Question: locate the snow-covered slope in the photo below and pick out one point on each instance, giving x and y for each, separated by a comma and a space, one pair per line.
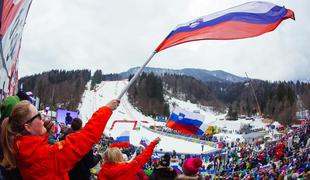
108, 90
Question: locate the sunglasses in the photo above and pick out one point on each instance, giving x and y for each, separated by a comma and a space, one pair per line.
33, 118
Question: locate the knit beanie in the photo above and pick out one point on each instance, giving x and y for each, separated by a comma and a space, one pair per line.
165, 160
7, 106
191, 166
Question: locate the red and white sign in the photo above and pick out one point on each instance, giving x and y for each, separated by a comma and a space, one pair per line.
13, 20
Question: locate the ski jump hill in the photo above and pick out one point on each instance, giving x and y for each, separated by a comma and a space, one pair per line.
127, 117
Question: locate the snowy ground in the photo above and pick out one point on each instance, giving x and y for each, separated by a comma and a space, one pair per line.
108, 90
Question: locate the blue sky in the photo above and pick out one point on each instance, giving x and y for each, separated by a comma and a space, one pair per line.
116, 35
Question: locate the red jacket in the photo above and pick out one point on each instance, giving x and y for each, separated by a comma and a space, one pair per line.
36, 159
128, 171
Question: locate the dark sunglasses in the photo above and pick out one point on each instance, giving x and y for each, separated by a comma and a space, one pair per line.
33, 118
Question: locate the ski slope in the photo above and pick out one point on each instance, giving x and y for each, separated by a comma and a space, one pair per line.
108, 90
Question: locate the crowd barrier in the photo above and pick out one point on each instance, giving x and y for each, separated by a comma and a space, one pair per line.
190, 139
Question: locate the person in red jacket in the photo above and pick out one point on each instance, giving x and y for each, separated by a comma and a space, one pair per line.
25, 142
114, 167
279, 151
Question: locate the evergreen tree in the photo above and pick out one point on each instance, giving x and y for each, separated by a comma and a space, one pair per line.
96, 79
57, 88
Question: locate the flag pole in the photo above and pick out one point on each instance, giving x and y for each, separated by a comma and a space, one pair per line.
135, 76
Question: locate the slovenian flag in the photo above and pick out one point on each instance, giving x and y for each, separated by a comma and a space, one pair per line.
264, 168
144, 142
121, 141
177, 168
155, 158
247, 20
186, 122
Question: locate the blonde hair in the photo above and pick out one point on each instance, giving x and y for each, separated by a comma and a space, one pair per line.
113, 155
11, 127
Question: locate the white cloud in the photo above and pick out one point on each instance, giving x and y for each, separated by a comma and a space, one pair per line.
117, 35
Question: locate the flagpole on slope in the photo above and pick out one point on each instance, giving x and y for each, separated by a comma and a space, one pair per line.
135, 76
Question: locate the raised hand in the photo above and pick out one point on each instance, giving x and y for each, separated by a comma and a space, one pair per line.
113, 104
157, 140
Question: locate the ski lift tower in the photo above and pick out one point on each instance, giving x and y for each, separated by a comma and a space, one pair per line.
253, 91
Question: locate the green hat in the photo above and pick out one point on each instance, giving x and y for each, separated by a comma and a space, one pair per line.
7, 106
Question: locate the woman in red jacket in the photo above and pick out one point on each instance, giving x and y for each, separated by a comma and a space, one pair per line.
25, 142
114, 167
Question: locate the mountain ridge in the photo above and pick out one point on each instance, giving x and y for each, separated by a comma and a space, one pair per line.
200, 74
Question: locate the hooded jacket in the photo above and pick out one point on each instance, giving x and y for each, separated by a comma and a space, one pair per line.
81, 170
6, 109
36, 159
124, 170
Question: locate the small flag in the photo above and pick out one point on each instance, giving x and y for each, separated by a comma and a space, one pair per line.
144, 142
264, 168
186, 122
177, 167
155, 159
121, 141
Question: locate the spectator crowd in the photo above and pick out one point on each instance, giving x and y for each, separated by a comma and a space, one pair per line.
73, 151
